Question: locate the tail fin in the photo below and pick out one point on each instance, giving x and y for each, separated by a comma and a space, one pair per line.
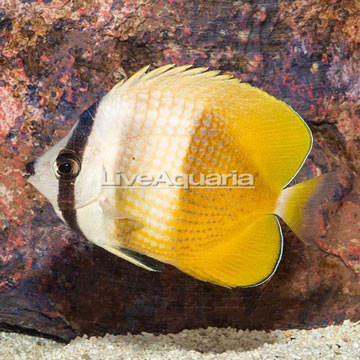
298, 205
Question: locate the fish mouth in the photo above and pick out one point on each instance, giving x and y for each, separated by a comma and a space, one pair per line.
29, 170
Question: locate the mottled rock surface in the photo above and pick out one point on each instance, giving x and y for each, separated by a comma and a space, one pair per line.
58, 56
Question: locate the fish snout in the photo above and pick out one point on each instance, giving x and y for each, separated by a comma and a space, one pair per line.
29, 169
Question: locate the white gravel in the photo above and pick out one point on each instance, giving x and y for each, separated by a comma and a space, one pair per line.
333, 342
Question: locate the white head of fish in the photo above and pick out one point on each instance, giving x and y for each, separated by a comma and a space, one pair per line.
70, 174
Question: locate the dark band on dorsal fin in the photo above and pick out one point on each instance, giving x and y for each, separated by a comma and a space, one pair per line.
76, 144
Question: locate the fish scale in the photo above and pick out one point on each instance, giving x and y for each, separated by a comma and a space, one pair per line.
201, 123
183, 120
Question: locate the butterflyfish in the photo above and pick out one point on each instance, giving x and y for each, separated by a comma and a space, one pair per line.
188, 167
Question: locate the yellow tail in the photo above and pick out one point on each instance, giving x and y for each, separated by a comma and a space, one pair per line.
298, 205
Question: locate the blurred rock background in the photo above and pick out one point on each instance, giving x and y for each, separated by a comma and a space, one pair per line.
57, 57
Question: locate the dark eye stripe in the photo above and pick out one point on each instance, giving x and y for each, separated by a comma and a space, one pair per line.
76, 144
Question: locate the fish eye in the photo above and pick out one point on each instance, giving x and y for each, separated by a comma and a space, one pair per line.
67, 165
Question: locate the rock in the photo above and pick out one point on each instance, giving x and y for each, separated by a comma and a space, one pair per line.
58, 57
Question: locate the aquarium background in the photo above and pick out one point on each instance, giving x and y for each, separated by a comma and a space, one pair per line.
57, 57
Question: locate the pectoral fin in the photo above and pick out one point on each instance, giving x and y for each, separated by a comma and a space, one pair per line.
111, 212
125, 225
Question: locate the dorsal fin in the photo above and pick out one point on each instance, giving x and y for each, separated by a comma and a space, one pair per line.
178, 76
277, 138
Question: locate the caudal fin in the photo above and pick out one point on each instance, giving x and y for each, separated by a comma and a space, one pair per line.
298, 205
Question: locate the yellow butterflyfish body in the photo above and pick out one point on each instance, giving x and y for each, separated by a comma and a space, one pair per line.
187, 167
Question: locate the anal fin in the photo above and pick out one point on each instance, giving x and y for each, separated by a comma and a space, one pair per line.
247, 258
